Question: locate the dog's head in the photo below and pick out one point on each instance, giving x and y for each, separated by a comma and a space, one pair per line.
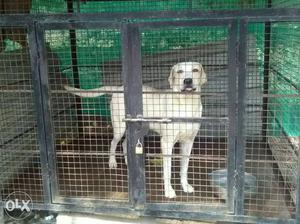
187, 77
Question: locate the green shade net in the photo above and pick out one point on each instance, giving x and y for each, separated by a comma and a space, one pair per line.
53, 6
285, 79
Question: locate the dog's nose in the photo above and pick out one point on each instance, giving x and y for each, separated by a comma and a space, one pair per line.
188, 81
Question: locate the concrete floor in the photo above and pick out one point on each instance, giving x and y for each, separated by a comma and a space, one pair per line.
74, 218
79, 219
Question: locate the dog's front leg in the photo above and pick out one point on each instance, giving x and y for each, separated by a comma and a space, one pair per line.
124, 145
186, 148
167, 147
112, 155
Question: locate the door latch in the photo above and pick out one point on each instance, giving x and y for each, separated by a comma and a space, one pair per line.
140, 118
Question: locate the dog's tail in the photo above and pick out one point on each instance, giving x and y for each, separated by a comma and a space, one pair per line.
94, 92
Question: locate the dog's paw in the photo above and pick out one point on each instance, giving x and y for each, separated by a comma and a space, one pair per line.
170, 193
112, 162
187, 188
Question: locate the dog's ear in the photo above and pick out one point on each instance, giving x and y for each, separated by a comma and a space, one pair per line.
203, 78
171, 76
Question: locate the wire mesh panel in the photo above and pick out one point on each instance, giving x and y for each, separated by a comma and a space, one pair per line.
12, 38
19, 154
85, 166
272, 121
185, 75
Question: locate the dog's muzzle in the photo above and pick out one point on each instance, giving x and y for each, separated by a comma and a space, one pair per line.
188, 85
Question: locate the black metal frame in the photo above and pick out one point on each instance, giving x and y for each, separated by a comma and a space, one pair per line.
267, 45
35, 65
75, 69
131, 63
240, 140
132, 70
262, 15
232, 97
47, 120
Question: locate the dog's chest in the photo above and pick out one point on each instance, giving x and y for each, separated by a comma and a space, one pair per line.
184, 107
186, 130
172, 107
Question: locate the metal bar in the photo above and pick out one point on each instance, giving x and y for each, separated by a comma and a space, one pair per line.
215, 217
49, 135
240, 141
75, 69
153, 155
216, 208
154, 120
117, 90
298, 179
13, 91
93, 209
262, 15
33, 36
132, 70
184, 23
298, 192
156, 211
82, 25
267, 46
82, 153
232, 77
88, 202
176, 119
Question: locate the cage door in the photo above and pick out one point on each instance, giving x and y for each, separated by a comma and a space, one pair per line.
189, 82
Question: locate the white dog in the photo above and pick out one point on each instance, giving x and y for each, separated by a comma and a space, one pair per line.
185, 78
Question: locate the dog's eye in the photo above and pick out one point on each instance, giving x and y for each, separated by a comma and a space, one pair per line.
180, 71
195, 70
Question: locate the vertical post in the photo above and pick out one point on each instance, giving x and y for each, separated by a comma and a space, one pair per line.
132, 79
232, 77
298, 176
298, 192
42, 67
33, 36
75, 69
267, 45
240, 142
2, 46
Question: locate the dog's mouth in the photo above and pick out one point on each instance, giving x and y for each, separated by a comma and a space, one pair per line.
188, 89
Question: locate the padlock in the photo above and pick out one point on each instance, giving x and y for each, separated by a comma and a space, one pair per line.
139, 148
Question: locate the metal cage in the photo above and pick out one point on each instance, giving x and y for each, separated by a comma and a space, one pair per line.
59, 148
